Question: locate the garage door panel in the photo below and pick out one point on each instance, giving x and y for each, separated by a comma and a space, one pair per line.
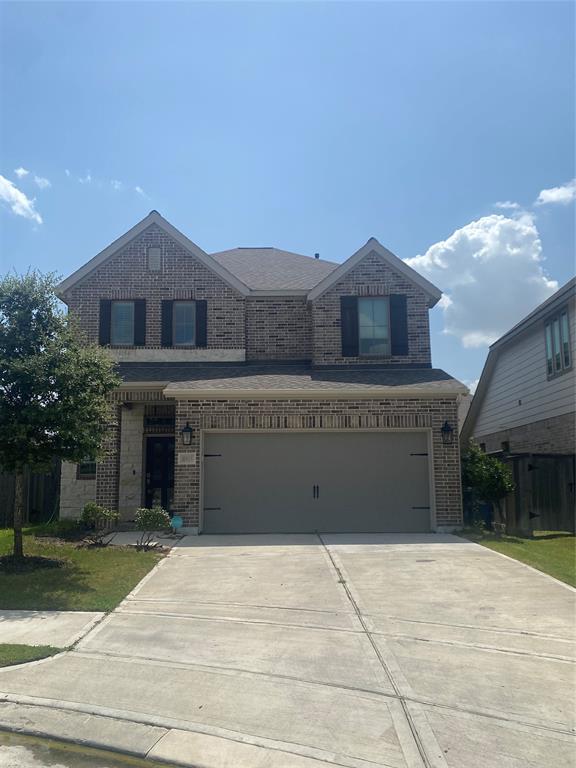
303, 482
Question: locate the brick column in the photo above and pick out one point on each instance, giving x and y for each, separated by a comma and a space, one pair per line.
447, 467
108, 468
187, 465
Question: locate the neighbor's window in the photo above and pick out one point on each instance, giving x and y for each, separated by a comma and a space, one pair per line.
557, 334
184, 323
86, 470
122, 322
374, 326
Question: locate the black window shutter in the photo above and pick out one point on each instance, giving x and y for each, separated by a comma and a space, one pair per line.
349, 325
167, 310
105, 321
139, 322
398, 325
201, 323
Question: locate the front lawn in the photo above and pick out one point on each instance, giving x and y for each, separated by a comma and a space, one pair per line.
550, 551
19, 654
91, 579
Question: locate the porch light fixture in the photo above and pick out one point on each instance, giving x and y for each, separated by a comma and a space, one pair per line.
447, 432
186, 433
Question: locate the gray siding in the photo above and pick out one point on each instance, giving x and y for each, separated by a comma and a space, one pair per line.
520, 375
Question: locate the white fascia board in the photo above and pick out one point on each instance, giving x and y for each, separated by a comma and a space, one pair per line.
153, 218
391, 259
312, 394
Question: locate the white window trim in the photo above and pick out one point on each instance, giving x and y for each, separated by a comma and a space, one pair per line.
112, 340
549, 328
389, 339
176, 344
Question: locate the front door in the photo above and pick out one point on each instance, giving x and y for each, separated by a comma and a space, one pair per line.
159, 472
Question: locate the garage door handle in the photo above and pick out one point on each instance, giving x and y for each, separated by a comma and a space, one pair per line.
315, 491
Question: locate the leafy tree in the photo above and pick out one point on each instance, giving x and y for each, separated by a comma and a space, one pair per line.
53, 385
489, 479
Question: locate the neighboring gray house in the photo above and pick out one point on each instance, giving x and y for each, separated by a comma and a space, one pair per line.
524, 412
267, 391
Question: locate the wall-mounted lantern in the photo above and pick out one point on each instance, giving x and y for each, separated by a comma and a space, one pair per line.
447, 432
187, 433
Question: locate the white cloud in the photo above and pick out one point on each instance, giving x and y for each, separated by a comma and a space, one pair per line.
21, 172
115, 184
507, 205
17, 201
41, 182
491, 270
140, 191
85, 179
472, 384
66, 171
563, 195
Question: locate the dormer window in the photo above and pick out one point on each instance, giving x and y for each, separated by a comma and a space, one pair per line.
154, 259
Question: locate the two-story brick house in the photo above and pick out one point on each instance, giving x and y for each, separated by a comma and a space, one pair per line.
267, 391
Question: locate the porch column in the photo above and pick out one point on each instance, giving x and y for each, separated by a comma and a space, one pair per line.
108, 468
131, 446
187, 465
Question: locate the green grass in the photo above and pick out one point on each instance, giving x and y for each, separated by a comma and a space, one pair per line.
553, 552
91, 579
19, 654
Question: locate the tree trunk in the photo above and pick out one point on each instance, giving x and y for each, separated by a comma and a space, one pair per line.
18, 507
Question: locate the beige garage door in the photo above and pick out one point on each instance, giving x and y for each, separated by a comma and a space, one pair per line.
304, 482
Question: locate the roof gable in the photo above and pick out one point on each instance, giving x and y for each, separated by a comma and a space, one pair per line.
153, 218
373, 246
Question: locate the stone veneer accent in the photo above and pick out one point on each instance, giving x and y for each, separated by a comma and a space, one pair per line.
278, 328
321, 414
553, 435
74, 493
131, 461
371, 277
126, 276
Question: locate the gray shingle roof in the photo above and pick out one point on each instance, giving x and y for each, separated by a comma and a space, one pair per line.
265, 269
285, 377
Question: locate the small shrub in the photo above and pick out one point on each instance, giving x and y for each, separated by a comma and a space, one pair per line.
148, 521
97, 520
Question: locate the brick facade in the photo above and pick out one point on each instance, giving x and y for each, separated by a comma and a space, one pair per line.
556, 435
278, 328
126, 276
266, 328
372, 277
108, 468
316, 415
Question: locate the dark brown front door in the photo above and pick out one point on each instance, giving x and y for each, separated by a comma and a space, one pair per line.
159, 471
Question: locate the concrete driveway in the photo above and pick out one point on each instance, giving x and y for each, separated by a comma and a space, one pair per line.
296, 651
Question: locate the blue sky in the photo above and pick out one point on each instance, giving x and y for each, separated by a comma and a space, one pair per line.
309, 126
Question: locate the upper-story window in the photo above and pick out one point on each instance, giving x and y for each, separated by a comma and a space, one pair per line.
184, 323
374, 326
558, 358
122, 323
